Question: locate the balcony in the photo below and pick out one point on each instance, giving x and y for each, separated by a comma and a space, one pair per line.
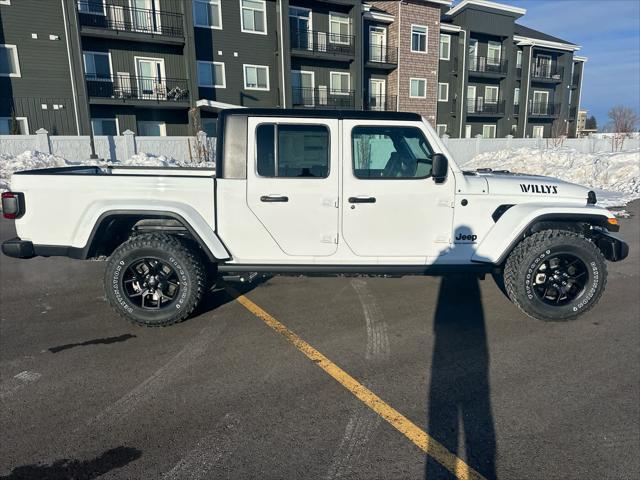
133, 90
547, 72
544, 110
323, 98
380, 103
105, 20
313, 43
382, 56
482, 108
573, 113
487, 67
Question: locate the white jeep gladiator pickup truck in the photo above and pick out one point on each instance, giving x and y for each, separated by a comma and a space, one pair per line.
316, 192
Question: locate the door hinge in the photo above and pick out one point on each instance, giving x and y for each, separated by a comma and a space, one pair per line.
330, 202
446, 202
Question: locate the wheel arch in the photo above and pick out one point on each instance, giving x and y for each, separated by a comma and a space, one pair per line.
515, 225
114, 227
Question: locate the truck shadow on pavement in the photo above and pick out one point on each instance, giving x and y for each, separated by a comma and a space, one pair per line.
77, 469
459, 395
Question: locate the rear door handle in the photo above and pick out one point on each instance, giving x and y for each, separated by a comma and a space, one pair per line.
274, 198
362, 199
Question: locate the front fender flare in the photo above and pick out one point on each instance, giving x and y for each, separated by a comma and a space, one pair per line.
514, 223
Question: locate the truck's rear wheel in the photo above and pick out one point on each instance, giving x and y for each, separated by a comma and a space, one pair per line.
555, 275
154, 280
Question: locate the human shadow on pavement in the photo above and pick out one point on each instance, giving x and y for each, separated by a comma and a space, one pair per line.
459, 396
77, 469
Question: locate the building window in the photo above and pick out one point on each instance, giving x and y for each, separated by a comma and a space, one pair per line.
467, 131
256, 77
152, 129
207, 13
418, 87
105, 126
445, 46
538, 131
390, 152
340, 83
488, 131
516, 96
5, 2
253, 17
339, 28
491, 94
494, 50
441, 128
443, 92
419, 38
292, 151
209, 126
97, 66
14, 126
94, 7
9, 64
519, 59
211, 74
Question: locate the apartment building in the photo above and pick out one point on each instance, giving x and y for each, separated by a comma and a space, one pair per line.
165, 67
498, 77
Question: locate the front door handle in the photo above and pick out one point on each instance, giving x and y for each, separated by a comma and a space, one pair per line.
362, 199
274, 198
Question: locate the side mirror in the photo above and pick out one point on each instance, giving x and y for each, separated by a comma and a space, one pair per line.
439, 167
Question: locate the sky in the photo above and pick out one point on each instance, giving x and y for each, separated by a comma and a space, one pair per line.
609, 33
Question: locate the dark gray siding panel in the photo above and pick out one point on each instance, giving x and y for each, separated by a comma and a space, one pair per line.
44, 66
236, 48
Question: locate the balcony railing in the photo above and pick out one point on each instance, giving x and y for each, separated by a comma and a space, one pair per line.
128, 19
575, 80
313, 41
481, 106
380, 103
547, 71
487, 65
323, 98
130, 87
386, 54
543, 109
573, 113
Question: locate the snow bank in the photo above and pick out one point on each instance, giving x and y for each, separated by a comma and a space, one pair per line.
614, 176
29, 160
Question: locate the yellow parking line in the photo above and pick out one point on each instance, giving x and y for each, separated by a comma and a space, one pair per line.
426, 443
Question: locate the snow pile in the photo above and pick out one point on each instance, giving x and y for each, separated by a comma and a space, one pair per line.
614, 176
29, 160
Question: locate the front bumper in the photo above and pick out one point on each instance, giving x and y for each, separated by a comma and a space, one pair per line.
18, 248
612, 247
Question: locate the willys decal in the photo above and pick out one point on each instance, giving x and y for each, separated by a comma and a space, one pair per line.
533, 188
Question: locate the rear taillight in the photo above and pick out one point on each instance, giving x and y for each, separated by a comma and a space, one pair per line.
12, 205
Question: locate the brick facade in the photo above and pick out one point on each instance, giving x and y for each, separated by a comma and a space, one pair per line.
411, 64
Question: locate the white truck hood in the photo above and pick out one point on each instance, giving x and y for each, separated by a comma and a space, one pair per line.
532, 186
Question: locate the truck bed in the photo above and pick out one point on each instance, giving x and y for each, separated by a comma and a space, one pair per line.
62, 205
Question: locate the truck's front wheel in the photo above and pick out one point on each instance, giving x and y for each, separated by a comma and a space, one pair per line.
555, 275
154, 280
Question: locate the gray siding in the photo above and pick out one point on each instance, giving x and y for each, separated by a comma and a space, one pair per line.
44, 66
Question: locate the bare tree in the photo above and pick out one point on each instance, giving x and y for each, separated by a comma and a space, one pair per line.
202, 150
558, 134
624, 121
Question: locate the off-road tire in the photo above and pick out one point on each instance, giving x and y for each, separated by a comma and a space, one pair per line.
522, 263
188, 266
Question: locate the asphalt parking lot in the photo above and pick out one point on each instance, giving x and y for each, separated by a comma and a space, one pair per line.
223, 395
